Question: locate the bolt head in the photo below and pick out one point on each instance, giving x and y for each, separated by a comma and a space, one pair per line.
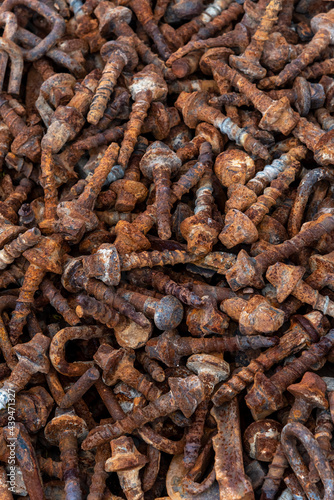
149, 79
238, 229
34, 353
168, 313
244, 273
46, 254
187, 392
157, 154
161, 348
259, 316
252, 69
324, 21
206, 320
28, 143
8, 231
303, 101
324, 149
240, 197
34, 407
125, 456
311, 389
234, 167
279, 117
109, 17
200, 232
285, 278
68, 276
131, 335
325, 263
261, 439
129, 239
104, 265
264, 398
125, 45
276, 52
75, 220
67, 422
129, 192
160, 120
189, 104
210, 366
272, 231
112, 362
211, 135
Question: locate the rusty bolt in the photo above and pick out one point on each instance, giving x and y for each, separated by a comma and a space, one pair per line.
304, 95
13, 250
236, 276
170, 347
118, 55
166, 312
266, 396
195, 109
322, 27
249, 62
277, 116
159, 164
43, 257
288, 279
185, 394
65, 430
146, 87
301, 334
127, 462
27, 139
32, 359
261, 439
117, 364
254, 316
234, 167
201, 230
309, 394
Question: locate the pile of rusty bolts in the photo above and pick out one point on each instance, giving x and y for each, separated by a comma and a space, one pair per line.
166, 249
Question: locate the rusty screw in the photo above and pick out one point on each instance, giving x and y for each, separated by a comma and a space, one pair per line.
119, 55
32, 359
277, 116
288, 280
201, 230
185, 394
43, 258
302, 333
266, 396
13, 250
146, 87
227, 446
65, 430
248, 63
309, 393
159, 164
166, 312
27, 139
195, 109
80, 387
117, 364
170, 347
127, 462
236, 276
211, 369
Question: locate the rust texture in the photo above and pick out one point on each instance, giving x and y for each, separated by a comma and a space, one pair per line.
167, 249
